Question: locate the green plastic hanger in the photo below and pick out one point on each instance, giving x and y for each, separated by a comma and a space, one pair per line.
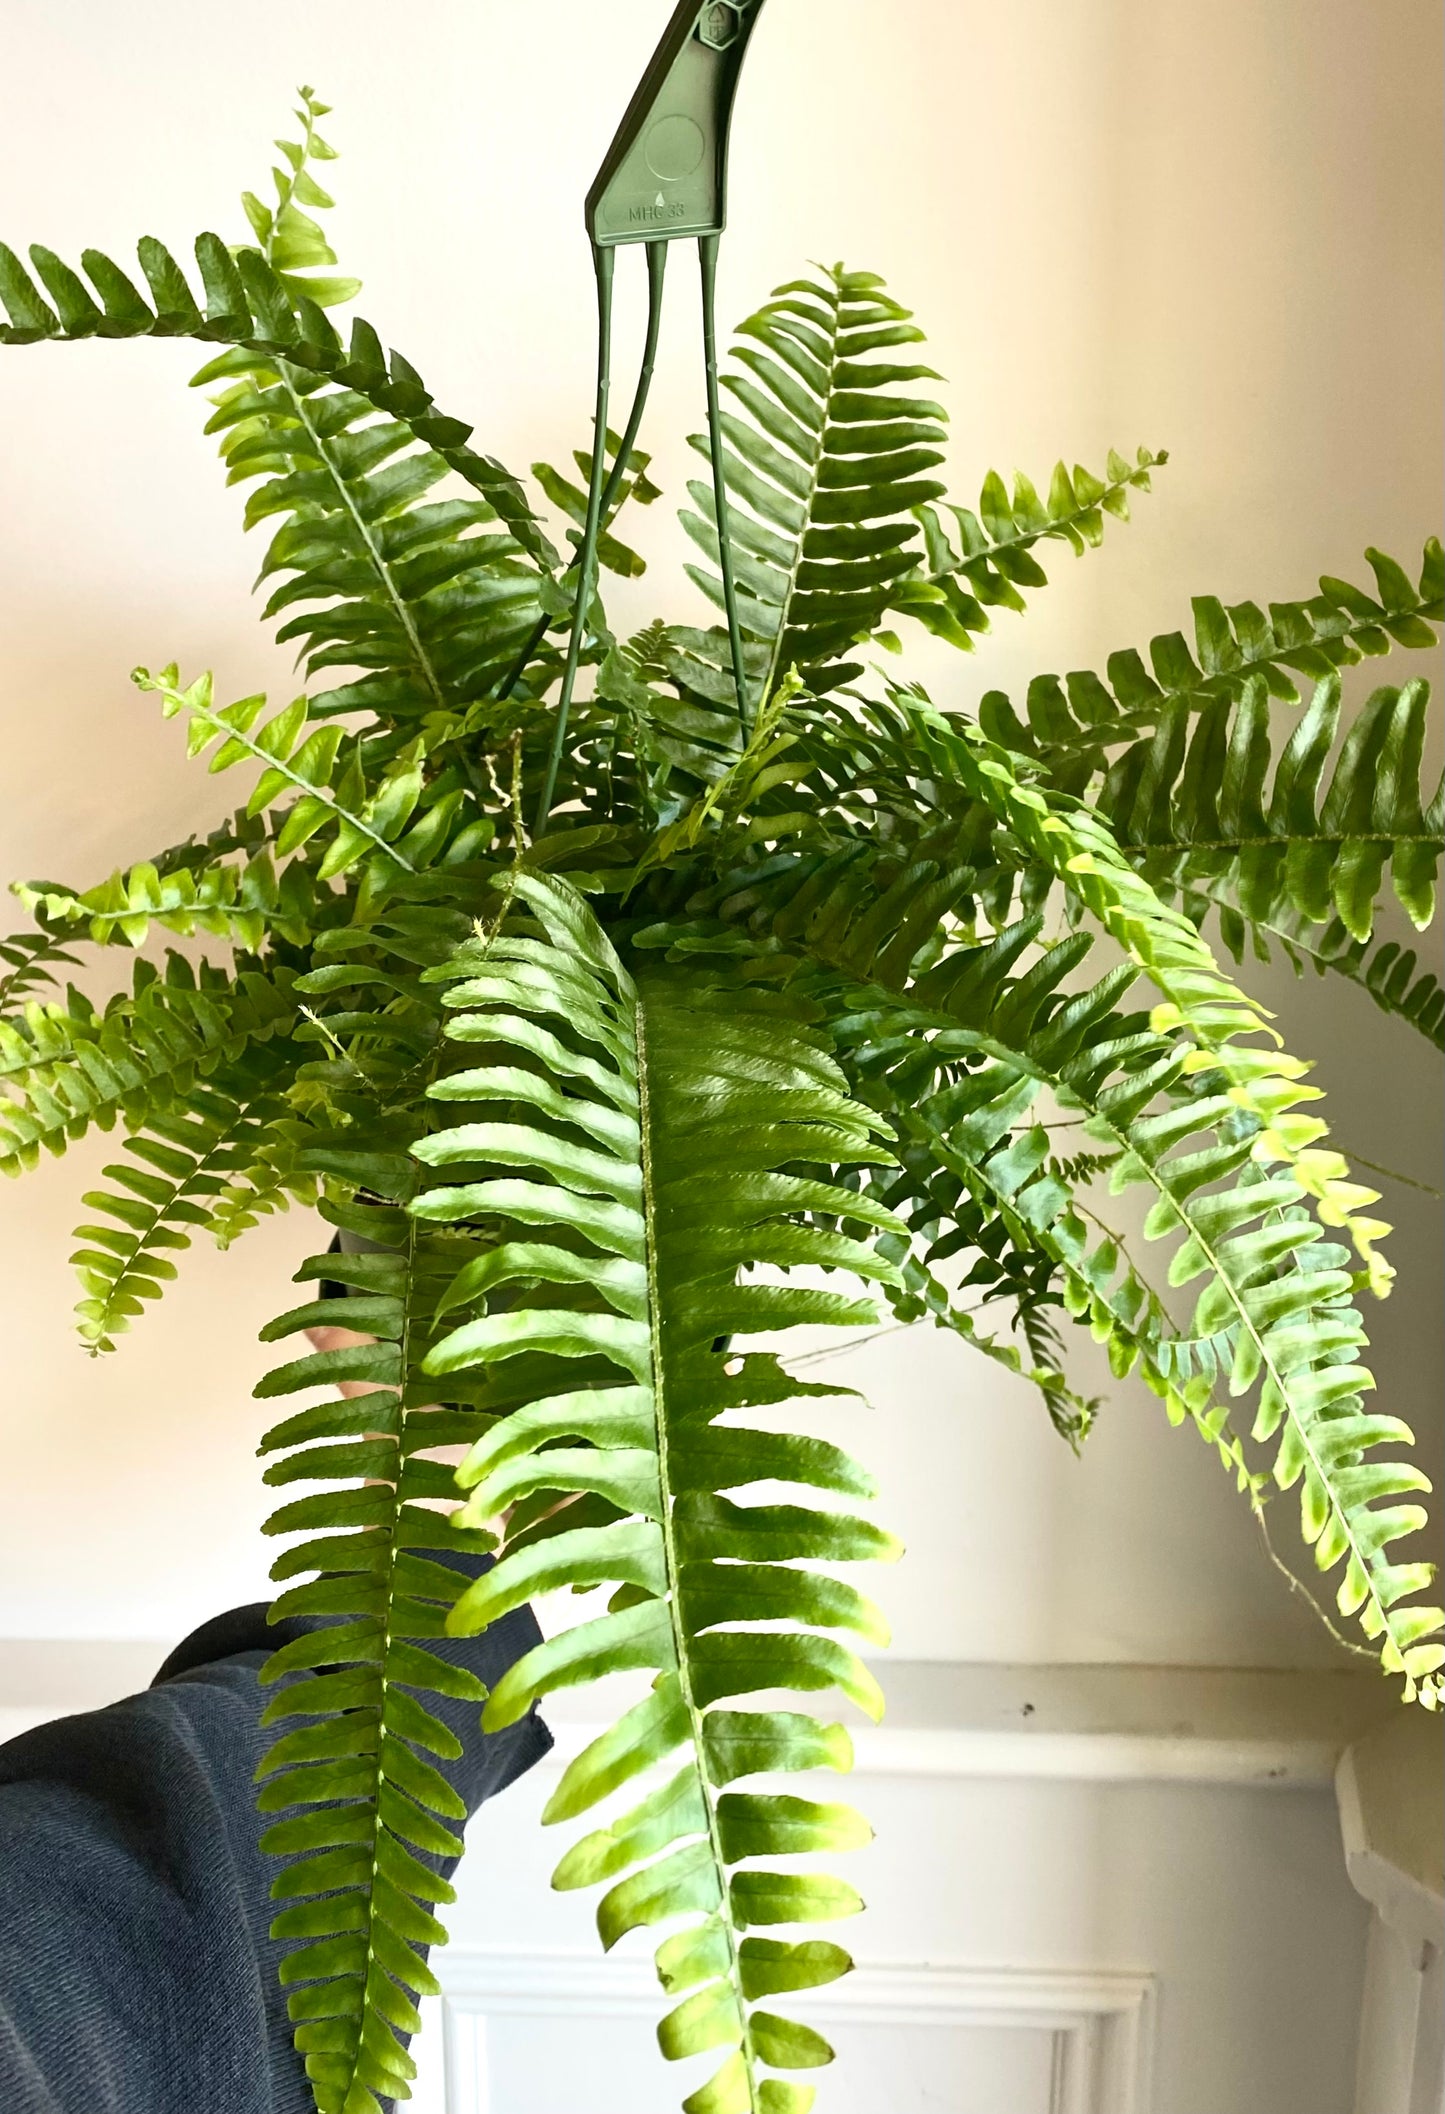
664, 180
666, 172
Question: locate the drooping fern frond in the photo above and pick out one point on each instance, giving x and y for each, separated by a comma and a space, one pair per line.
1208, 1106
71, 1069
1197, 807
1390, 973
642, 1148
361, 1773
828, 462
1075, 723
1187, 1103
188, 1172
993, 561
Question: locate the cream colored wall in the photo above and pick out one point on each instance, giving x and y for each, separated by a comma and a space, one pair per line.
1216, 229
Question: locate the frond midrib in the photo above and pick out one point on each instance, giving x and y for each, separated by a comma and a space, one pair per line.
680, 1638
815, 471
1282, 841
373, 1966
399, 604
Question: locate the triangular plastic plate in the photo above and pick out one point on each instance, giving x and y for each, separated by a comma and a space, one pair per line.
666, 173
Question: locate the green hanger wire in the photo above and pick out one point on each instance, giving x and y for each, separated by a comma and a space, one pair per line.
664, 180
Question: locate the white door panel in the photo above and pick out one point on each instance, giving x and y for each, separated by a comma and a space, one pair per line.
553, 2034
1031, 1947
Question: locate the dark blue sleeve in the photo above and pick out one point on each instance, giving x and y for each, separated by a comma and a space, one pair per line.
137, 1974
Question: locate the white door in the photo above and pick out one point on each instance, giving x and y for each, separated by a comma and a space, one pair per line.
1031, 1947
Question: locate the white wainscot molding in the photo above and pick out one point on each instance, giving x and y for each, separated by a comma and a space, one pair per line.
1257, 1728
534, 2034
1393, 1820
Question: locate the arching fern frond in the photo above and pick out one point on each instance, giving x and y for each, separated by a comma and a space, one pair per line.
993, 560
70, 1069
1074, 724
642, 1149
1196, 807
828, 461
188, 1166
316, 767
243, 302
1204, 1106
1275, 1313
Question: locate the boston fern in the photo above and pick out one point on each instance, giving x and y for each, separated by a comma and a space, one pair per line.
795, 1009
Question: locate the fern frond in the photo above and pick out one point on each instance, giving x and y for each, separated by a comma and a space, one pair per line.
70, 1069
370, 1811
1073, 724
31, 960
1078, 847
255, 313
1196, 1107
314, 764
244, 901
993, 560
186, 1165
1198, 809
355, 541
1391, 974
428, 598
291, 241
640, 1147
571, 500
828, 462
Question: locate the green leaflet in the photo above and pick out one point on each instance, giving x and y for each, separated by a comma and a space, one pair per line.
714, 1097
